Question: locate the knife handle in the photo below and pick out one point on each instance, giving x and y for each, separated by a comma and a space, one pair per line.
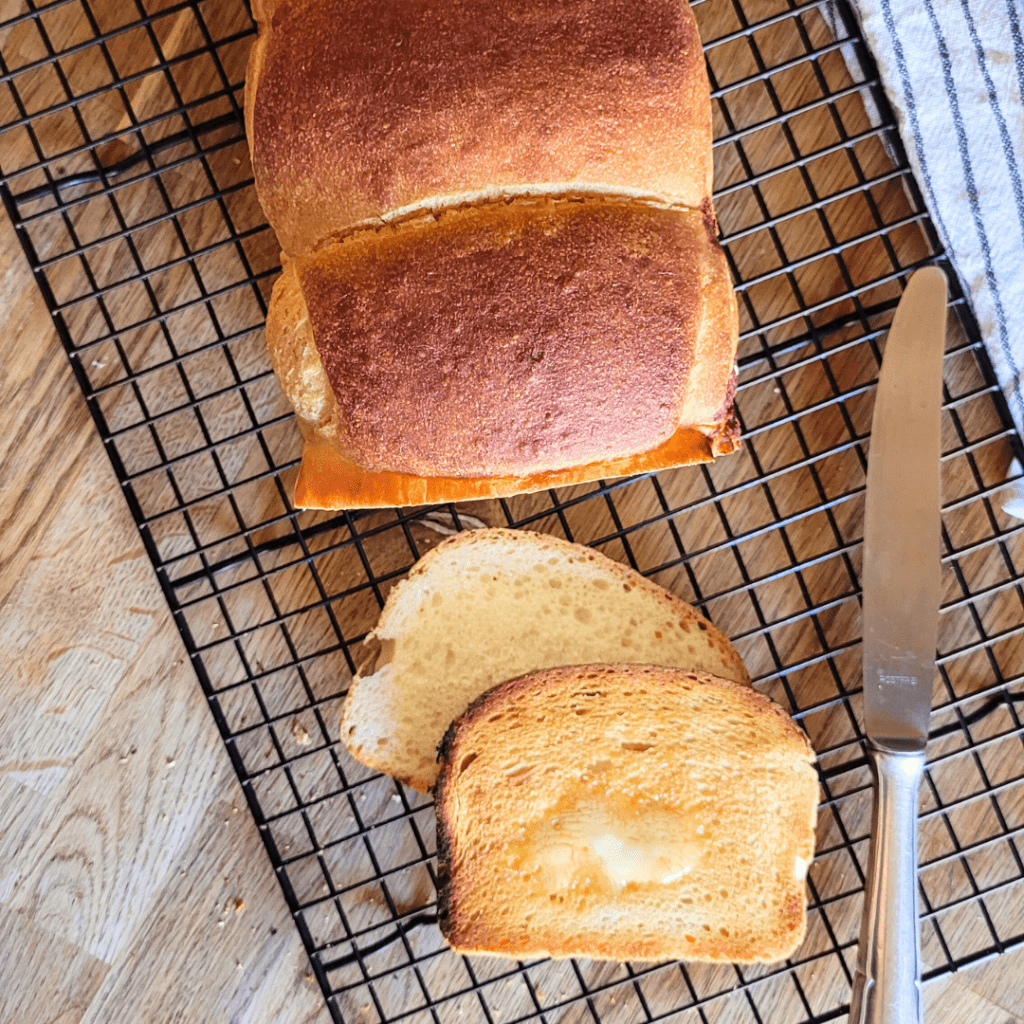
887, 985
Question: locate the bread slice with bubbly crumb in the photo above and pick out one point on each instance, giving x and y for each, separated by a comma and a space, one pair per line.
627, 813
492, 604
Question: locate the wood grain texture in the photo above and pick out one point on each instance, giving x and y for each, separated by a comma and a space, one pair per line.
133, 883
64, 979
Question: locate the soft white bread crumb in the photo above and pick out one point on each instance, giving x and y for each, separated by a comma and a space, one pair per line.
492, 604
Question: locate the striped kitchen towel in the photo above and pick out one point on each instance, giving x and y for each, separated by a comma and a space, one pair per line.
953, 71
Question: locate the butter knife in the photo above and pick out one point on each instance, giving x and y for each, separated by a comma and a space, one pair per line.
901, 597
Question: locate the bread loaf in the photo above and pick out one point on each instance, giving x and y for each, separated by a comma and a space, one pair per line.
501, 265
626, 813
509, 346
358, 109
490, 604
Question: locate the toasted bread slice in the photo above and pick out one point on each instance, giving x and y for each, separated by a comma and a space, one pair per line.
626, 813
492, 604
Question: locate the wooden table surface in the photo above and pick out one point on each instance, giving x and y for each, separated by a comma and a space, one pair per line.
133, 883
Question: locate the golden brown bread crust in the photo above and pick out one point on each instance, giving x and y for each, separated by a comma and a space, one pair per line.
360, 108
418, 349
496, 788
327, 480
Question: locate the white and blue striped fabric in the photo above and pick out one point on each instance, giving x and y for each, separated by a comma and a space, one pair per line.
953, 71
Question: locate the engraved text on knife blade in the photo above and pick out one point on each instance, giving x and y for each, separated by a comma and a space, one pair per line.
884, 679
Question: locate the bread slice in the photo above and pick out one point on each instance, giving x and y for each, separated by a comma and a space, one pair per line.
625, 813
358, 109
491, 604
510, 344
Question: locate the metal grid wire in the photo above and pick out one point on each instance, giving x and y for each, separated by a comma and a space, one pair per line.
126, 174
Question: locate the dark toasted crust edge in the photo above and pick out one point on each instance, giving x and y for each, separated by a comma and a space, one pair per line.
444, 847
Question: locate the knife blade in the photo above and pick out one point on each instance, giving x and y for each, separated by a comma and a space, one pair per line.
901, 599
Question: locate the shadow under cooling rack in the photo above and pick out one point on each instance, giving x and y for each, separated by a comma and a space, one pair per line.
126, 173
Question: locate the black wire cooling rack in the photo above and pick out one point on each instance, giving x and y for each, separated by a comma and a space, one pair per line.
126, 174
